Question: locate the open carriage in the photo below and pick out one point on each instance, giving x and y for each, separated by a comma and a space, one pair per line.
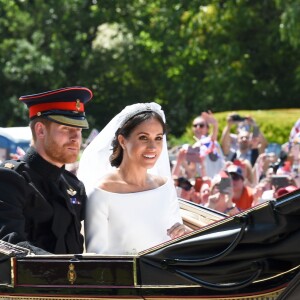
253, 255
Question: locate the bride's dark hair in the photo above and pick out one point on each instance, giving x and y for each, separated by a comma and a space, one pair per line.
117, 154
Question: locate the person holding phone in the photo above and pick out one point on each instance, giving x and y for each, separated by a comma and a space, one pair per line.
243, 196
186, 190
220, 197
247, 143
204, 157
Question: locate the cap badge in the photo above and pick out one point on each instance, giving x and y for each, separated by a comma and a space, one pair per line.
78, 104
9, 165
71, 192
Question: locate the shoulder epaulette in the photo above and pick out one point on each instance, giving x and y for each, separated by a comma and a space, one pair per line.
12, 164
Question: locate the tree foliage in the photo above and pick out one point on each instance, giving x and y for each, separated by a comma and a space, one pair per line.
189, 56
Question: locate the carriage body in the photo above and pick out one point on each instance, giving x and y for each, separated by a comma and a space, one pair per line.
252, 255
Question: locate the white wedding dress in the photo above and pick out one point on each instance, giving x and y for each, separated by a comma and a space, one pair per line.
129, 223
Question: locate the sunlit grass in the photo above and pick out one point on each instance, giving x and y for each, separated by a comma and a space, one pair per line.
275, 124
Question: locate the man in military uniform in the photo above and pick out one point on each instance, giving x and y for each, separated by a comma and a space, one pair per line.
42, 204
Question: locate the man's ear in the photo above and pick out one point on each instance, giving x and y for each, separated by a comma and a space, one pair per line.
40, 130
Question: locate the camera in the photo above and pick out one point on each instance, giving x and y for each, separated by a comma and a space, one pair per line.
237, 118
184, 183
193, 154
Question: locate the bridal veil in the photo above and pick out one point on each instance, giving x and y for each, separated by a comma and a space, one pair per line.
94, 162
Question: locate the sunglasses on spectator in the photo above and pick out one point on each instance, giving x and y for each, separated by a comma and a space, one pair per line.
235, 177
201, 125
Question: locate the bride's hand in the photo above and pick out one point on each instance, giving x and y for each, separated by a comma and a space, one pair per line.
177, 230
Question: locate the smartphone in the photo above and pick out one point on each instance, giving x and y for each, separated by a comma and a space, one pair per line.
255, 131
225, 185
280, 181
193, 154
273, 148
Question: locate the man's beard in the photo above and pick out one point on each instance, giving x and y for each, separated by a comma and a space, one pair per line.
60, 153
244, 146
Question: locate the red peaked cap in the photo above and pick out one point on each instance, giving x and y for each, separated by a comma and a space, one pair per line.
64, 106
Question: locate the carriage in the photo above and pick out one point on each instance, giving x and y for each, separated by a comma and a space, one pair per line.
252, 255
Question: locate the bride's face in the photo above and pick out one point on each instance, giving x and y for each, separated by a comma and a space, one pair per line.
144, 145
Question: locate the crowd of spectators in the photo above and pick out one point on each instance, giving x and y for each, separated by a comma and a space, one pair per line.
241, 171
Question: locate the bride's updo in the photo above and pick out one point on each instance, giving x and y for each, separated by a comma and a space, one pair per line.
117, 151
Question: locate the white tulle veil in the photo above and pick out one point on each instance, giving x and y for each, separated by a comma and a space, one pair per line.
94, 162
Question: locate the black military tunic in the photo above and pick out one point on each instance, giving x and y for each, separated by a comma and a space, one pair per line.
41, 206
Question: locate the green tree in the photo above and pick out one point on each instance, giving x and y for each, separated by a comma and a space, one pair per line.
187, 55
44, 45
218, 56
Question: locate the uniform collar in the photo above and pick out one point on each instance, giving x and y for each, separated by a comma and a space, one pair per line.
42, 166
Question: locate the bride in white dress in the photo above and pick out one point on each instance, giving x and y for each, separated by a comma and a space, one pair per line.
132, 202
